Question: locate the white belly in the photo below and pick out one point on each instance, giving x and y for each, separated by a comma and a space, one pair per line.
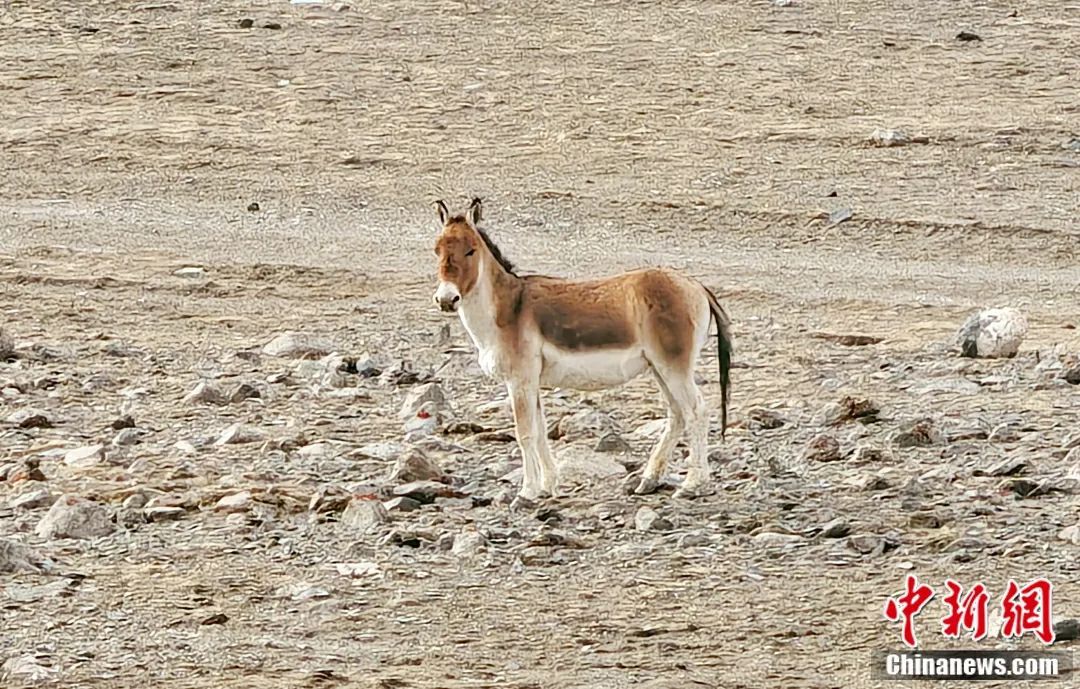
594, 370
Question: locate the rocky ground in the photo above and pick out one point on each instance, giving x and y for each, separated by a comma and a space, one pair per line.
238, 447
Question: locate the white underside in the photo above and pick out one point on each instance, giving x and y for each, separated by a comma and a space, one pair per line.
593, 370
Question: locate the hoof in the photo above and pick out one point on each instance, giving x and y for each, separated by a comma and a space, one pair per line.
647, 486
690, 492
522, 504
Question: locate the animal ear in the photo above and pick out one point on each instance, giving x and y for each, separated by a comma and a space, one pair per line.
476, 212
444, 212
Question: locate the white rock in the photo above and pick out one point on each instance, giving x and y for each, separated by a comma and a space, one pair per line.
414, 465
364, 515
468, 543
1070, 534
74, 517
16, 557
190, 272
424, 422
651, 430
17, 418
647, 519
25, 669
890, 137
586, 423
578, 466
32, 499
774, 539
237, 434
205, 393
992, 333
237, 502
295, 345
185, 447
429, 393
357, 570
127, 437
88, 456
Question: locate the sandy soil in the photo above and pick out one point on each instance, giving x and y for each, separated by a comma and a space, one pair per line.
715, 137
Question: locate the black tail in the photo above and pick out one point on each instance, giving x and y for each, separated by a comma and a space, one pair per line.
723, 353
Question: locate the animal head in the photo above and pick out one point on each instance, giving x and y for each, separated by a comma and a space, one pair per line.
459, 248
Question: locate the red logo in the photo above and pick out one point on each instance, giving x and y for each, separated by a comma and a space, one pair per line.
965, 612
1028, 610
1024, 610
909, 605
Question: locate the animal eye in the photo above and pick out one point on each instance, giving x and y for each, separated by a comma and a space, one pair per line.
470, 252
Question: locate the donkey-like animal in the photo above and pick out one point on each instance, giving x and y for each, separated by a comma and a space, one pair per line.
534, 332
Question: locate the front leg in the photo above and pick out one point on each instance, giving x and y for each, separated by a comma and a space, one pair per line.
524, 400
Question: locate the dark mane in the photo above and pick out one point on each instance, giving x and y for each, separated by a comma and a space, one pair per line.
495, 251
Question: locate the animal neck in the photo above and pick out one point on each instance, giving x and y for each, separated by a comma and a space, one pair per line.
482, 311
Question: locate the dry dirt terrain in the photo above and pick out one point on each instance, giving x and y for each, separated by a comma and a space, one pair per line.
286, 167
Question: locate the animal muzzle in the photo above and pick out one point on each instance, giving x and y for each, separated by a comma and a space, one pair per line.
447, 298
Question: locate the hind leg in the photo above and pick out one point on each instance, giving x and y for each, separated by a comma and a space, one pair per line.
658, 460
697, 475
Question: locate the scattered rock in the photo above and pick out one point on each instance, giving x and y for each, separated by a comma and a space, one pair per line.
7, 346
837, 528
358, 570
1072, 375
1007, 432
425, 492
28, 418
16, 557
1010, 466
647, 519
920, 433
297, 345
992, 333
847, 409
651, 430
237, 434
425, 422
402, 504
414, 465
237, 502
876, 482
190, 272
75, 517
1066, 630
868, 454
127, 437
890, 137
587, 423
244, 391
26, 669
1025, 487
694, 539
822, 448
364, 515
838, 216
765, 419
468, 543
88, 456
968, 37
32, 499
577, 466
217, 618
205, 393
428, 393
123, 422
1070, 534
247, 23
777, 540
614, 443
